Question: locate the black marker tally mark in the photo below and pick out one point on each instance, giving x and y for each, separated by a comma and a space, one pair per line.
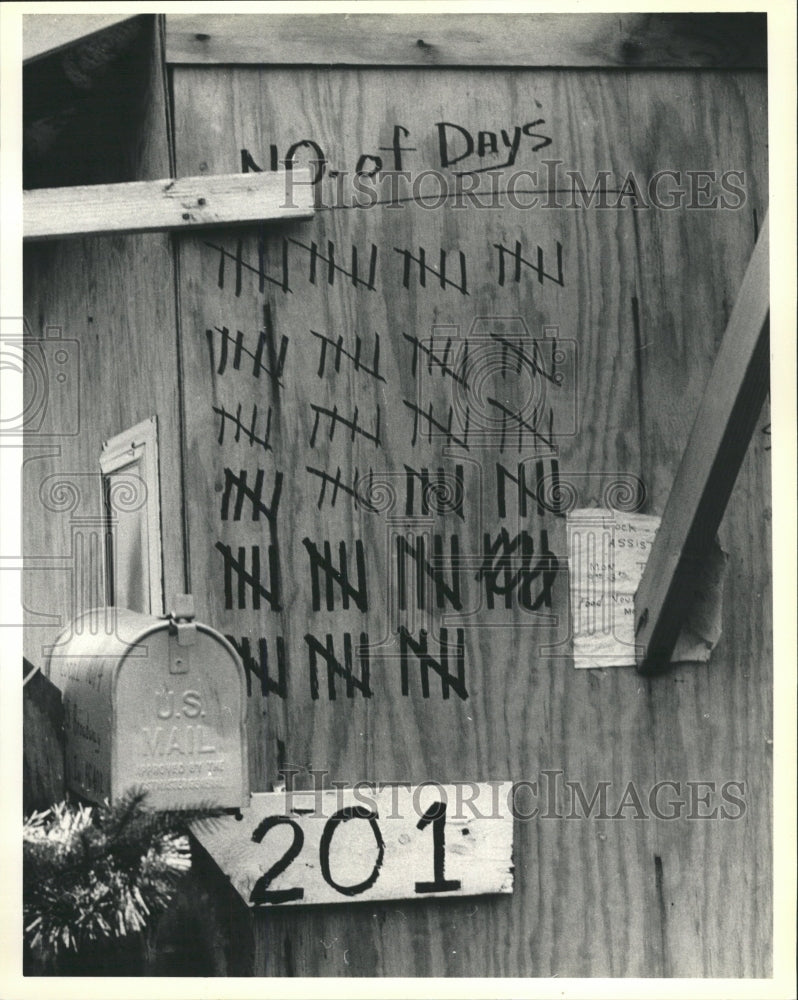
241, 265
445, 593
337, 483
510, 560
352, 424
336, 348
249, 432
249, 579
546, 486
259, 667
426, 662
332, 575
333, 268
443, 430
424, 268
236, 484
538, 267
513, 420
338, 668
439, 361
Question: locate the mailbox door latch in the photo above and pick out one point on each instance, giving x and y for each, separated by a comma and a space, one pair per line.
179, 658
181, 623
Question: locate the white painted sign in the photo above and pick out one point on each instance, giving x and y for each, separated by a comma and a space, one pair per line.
367, 843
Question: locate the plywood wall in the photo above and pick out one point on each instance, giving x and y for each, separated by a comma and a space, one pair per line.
627, 305
101, 312
305, 452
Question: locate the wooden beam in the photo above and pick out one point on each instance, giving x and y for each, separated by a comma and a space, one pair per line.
583, 40
45, 34
718, 442
152, 206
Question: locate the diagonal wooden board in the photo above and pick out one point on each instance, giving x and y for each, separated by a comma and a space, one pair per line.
345, 845
45, 34
704, 480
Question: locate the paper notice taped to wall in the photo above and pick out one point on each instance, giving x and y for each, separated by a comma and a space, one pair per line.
607, 553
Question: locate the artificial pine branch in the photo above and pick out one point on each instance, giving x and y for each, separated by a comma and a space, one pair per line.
101, 873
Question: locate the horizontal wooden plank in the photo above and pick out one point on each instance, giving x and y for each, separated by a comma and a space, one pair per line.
579, 40
152, 206
45, 34
717, 445
369, 843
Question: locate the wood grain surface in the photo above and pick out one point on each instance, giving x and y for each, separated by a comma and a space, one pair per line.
725, 420
46, 34
589, 40
641, 303
634, 304
366, 844
162, 205
43, 744
111, 301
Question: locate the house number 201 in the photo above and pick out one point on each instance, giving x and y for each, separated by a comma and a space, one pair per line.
435, 816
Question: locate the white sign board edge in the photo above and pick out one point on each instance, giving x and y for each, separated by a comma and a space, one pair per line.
362, 844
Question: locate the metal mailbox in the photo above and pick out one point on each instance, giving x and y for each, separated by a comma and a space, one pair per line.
155, 703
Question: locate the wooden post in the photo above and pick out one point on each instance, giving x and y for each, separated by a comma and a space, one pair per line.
718, 441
